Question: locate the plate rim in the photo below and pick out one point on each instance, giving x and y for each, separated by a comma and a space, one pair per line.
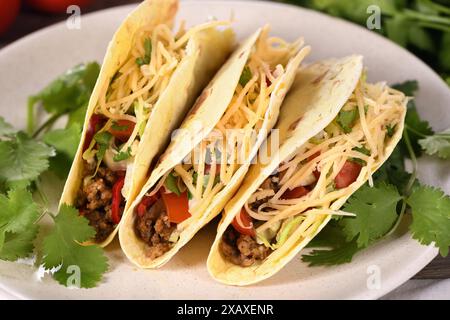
428, 253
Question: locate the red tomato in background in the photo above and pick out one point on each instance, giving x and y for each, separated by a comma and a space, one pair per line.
56, 6
8, 13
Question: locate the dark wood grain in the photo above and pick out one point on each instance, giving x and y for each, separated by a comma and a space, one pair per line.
30, 20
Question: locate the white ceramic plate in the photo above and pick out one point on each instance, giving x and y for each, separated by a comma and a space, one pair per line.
29, 64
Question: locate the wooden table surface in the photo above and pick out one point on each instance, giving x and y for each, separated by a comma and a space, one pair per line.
30, 20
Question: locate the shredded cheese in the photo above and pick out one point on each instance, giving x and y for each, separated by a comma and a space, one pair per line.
378, 106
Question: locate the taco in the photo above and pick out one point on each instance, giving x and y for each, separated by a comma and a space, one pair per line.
335, 130
149, 79
210, 154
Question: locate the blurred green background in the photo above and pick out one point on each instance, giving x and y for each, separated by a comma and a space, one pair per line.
421, 26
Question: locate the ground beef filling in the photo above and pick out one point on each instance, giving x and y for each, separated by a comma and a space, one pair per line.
95, 198
242, 249
154, 228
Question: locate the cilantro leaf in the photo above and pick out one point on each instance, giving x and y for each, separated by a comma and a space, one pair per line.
102, 138
334, 250
76, 117
362, 150
437, 144
393, 171
69, 91
122, 155
65, 142
417, 128
147, 55
23, 159
390, 130
62, 248
346, 119
246, 76
19, 245
171, 184
117, 127
5, 128
409, 87
375, 210
340, 254
430, 209
17, 224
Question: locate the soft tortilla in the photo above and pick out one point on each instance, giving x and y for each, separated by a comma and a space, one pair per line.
318, 94
207, 111
206, 51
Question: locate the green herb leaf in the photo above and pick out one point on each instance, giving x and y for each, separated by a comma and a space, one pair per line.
19, 245
62, 249
23, 159
336, 250
393, 171
123, 155
431, 217
409, 87
102, 138
330, 257
417, 128
437, 144
148, 53
115, 126
171, 184
347, 118
390, 130
69, 91
17, 224
65, 142
5, 128
362, 150
376, 213
246, 76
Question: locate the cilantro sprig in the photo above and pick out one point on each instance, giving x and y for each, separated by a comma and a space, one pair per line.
379, 210
24, 157
62, 249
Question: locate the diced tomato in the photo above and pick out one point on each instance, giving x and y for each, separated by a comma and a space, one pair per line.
125, 130
145, 203
295, 193
348, 174
247, 224
177, 206
316, 172
116, 210
94, 123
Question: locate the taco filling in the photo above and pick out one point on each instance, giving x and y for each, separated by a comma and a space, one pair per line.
189, 188
321, 172
119, 120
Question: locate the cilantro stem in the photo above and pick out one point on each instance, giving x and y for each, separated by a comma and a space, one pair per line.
427, 18
30, 115
48, 123
399, 219
415, 131
41, 195
412, 155
410, 184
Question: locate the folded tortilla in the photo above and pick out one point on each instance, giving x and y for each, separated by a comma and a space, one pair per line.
335, 131
206, 162
149, 79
